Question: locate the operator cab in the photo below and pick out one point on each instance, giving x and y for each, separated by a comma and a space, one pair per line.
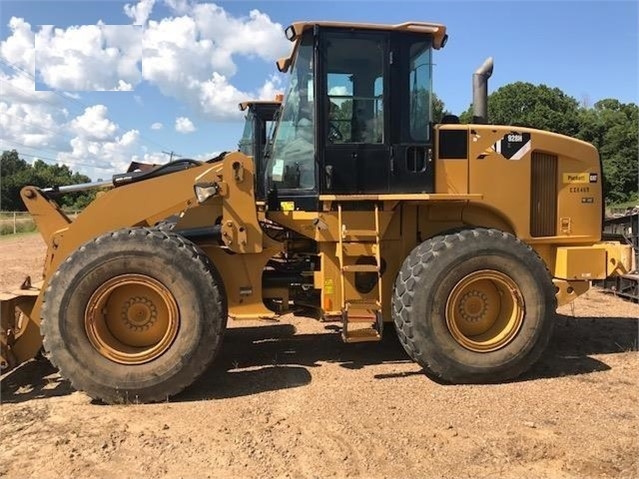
357, 117
258, 127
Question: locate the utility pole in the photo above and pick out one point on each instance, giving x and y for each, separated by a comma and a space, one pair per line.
170, 153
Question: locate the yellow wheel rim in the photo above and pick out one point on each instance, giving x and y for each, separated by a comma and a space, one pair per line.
131, 319
485, 311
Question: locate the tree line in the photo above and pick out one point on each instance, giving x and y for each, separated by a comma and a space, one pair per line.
16, 173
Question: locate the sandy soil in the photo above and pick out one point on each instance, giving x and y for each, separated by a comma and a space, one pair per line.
288, 399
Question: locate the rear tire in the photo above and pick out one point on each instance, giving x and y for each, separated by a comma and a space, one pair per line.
135, 315
474, 306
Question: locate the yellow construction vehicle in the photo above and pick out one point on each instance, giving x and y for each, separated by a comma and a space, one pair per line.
467, 237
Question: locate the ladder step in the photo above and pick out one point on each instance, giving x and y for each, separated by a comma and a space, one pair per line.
361, 318
361, 335
360, 268
357, 249
350, 233
362, 304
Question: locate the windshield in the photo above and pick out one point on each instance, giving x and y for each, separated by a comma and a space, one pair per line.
246, 142
292, 162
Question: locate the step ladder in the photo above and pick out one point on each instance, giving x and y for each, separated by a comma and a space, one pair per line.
361, 318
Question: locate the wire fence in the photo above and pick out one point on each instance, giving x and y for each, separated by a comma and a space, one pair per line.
14, 222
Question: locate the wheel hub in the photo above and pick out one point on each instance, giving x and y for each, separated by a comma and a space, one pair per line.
485, 311
139, 313
131, 319
473, 306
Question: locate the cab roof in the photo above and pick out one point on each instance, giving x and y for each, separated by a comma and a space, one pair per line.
296, 29
246, 104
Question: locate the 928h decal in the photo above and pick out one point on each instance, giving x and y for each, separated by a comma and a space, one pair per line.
514, 145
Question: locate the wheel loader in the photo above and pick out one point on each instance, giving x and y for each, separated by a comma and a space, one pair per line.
464, 237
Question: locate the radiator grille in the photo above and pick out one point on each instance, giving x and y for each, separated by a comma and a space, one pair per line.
543, 191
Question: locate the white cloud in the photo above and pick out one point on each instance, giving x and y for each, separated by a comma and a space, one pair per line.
156, 126
29, 119
191, 57
184, 125
93, 124
179, 6
105, 156
255, 35
89, 57
18, 47
39, 122
101, 142
140, 12
339, 91
270, 88
155, 157
33, 126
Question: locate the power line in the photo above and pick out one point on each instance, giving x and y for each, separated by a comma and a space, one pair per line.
64, 97
51, 160
43, 158
24, 73
59, 133
16, 68
172, 154
72, 162
44, 97
36, 148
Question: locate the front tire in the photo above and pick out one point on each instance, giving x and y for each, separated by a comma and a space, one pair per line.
474, 306
135, 315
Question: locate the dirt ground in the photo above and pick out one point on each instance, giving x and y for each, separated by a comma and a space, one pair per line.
288, 399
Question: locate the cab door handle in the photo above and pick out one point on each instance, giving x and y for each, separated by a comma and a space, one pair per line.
392, 159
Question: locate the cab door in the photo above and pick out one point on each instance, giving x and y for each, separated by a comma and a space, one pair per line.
411, 163
355, 149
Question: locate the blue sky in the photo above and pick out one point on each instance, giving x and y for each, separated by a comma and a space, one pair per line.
588, 49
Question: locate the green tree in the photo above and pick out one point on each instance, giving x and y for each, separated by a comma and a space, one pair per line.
16, 173
13, 173
533, 106
613, 127
439, 109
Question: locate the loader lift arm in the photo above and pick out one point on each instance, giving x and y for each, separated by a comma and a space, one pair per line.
137, 204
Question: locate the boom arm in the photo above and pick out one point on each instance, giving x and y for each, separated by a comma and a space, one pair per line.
141, 203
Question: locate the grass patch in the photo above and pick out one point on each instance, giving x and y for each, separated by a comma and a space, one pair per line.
17, 235
26, 225
20, 222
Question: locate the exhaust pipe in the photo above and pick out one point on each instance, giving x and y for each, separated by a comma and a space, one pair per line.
480, 91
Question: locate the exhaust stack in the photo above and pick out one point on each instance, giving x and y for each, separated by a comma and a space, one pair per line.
480, 91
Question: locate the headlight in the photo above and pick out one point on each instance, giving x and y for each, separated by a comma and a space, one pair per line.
203, 191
